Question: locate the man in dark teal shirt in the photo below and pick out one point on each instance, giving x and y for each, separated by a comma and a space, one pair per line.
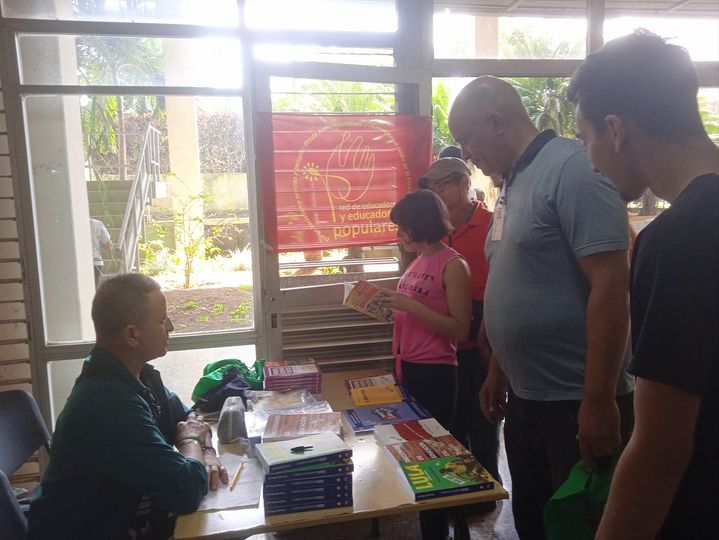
126, 455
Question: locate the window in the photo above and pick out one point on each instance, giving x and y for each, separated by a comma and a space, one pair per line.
202, 12
494, 35
129, 61
338, 15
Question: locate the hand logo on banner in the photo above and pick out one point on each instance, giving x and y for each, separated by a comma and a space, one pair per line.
338, 187
337, 177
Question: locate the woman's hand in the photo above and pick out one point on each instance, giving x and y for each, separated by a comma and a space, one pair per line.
396, 301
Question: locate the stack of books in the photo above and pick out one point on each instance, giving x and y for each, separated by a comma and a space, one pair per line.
281, 427
309, 473
291, 376
438, 467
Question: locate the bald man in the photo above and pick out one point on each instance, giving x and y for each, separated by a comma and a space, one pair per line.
556, 302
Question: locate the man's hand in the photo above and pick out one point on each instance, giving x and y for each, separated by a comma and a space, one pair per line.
193, 427
599, 433
216, 471
493, 394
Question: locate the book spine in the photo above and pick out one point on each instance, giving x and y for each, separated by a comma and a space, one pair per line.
308, 495
291, 485
335, 456
307, 507
298, 475
484, 486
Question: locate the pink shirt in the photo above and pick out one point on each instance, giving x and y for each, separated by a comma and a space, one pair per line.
413, 340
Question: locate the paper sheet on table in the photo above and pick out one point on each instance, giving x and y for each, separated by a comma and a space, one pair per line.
247, 491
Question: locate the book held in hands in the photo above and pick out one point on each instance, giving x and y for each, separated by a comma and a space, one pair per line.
362, 297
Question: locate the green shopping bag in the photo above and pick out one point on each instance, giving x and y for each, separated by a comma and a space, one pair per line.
212, 374
574, 511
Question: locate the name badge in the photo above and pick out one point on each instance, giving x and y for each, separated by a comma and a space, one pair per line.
498, 223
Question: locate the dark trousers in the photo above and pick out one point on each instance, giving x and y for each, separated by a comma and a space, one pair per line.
469, 425
541, 442
434, 386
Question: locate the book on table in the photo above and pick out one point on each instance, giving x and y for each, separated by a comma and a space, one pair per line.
414, 430
281, 427
362, 297
363, 419
364, 382
376, 395
438, 467
310, 472
319, 448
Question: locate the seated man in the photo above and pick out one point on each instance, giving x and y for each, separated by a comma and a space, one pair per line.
126, 454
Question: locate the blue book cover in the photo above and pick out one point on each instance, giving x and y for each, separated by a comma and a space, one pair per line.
366, 418
332, 492
290, 485
317, 470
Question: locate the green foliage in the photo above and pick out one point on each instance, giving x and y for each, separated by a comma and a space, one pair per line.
204, 318
241, 312
217, 309
546, 100
336, 97
709, 113
157, 258
441, 137
190, 305
244, 288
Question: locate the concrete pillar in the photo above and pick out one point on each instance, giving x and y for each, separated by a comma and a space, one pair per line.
183, 142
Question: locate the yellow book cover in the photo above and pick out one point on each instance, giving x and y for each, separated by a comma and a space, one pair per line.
376, 395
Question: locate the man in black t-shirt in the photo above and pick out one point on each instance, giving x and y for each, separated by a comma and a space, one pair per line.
637, 113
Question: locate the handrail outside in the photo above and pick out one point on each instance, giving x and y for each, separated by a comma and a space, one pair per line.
148, 171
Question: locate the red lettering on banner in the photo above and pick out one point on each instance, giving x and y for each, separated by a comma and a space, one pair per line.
330, 181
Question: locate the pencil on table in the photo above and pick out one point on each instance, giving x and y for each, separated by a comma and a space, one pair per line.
237, 476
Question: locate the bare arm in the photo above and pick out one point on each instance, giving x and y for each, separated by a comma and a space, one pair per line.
457, 284
607, 331
653, 463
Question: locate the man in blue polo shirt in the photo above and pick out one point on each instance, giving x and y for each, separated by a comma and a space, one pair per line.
125, 453
556, 302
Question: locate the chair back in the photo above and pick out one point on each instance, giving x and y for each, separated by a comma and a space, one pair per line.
23, 430
13, 523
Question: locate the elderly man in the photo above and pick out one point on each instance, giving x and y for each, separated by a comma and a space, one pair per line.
125, 452
637, 113
556, 302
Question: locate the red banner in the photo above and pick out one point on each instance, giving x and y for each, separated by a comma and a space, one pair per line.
330, 181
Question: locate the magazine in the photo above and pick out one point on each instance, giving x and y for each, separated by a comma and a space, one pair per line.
361, 296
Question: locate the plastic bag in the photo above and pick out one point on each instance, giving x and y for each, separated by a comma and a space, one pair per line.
268, 399
213, 373
574, 511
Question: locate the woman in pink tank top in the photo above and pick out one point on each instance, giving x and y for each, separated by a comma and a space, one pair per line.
432, 311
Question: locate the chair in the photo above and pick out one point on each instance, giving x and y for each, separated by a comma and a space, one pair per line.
23, 432
13, 523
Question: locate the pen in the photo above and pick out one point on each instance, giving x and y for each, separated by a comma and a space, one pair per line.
300, 449
237, 476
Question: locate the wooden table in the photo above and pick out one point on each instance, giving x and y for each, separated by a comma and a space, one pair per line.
377, 488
